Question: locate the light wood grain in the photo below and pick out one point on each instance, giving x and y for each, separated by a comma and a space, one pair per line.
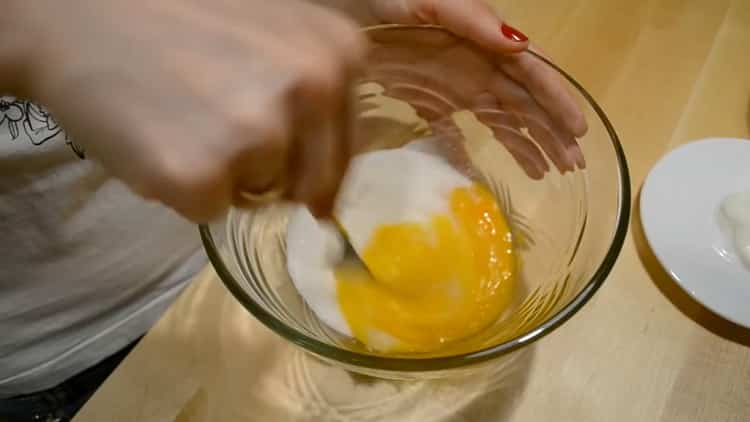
667, 72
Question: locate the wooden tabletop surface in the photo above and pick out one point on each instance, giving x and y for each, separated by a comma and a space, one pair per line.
667, 72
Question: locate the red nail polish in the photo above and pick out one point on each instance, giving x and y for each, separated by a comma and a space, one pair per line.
512, 33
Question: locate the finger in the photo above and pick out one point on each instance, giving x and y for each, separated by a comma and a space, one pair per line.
488, 102
475, 20
548, 89
198, 189
260, 170
569, 142
566, 138
506, 129
343, 35
553, 140
400, 76
428, 104
321, 150
315, 177
554, 144
437, 111
451, 146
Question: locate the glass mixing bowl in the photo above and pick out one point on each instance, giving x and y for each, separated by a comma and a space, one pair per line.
568, 224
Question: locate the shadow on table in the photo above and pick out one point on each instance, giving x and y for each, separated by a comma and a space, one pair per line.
499, 403
679, 298
319, 392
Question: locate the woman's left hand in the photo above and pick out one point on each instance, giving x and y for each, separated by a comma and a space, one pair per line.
523, 85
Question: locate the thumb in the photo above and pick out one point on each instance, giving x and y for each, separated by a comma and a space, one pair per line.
475, 20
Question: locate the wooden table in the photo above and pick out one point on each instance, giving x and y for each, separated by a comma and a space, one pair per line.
667, 72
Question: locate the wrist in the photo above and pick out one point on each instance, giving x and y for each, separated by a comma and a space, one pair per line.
16, 49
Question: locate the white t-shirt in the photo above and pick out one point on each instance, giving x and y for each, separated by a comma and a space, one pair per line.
86, 267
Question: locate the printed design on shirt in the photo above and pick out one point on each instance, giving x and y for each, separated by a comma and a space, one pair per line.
26, 119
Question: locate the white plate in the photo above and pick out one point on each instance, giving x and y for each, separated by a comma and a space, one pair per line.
679, 205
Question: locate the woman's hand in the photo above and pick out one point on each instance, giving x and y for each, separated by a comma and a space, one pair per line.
193, 102
507, 91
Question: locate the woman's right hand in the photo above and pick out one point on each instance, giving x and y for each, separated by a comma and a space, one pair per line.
192, 102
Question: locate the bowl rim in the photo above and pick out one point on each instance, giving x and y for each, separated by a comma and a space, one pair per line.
405, 364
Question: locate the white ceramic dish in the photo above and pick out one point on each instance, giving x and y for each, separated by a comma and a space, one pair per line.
679, 204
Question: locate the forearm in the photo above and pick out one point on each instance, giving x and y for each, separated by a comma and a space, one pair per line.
359, 10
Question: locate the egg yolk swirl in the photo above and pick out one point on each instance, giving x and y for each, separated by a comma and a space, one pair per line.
431, 284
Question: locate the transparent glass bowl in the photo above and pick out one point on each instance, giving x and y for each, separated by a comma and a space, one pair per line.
569, 226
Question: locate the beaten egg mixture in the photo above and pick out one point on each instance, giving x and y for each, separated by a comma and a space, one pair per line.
437, 259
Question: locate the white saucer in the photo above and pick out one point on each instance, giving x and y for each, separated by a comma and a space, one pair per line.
679, 204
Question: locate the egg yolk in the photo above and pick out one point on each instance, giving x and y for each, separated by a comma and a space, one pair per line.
431, 284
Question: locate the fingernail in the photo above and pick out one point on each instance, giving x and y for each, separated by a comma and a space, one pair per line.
512, 33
